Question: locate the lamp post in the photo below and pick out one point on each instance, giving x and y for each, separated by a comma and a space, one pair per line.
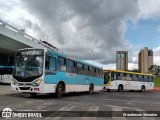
93, 56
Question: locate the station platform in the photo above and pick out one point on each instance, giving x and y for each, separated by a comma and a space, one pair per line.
5, 89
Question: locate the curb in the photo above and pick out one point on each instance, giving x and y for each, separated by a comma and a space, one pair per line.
156, 89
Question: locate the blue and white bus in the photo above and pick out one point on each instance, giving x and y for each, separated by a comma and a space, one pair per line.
48, 71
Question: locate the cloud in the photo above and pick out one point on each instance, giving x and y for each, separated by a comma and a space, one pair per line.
156, 53
149, 9
76, 26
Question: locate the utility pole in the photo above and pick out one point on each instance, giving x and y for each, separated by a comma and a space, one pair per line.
93, 56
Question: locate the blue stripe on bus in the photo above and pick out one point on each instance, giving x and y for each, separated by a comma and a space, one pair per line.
6, 66
73, 79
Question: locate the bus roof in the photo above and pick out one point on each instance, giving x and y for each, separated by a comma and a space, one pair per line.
128, 72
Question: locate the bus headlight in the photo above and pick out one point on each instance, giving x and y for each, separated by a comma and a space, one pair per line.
37, 82
14, 82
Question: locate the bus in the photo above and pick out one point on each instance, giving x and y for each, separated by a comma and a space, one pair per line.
5, 74
125, 80
50, 71
6, 66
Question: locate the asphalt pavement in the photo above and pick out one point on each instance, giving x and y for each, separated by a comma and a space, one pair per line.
81, 106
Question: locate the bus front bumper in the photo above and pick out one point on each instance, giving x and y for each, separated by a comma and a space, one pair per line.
42, 88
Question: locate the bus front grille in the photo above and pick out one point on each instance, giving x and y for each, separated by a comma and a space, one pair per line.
24, 88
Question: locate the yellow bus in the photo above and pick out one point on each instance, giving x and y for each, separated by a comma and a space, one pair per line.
125, 80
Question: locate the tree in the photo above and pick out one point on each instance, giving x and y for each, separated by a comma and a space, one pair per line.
135, 70
155, 69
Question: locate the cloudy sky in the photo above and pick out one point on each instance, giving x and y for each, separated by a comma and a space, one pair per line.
78, 26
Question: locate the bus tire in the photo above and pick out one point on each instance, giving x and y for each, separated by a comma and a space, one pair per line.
142, 88
120, 88
108, 90
91, 89
59, 91
33, 94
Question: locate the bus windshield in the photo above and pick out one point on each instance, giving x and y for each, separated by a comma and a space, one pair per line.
28, 63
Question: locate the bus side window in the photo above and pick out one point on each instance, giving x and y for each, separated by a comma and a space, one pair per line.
150, 79
145, 79
128, 76
98, 73
61, 64
47, 62
140, 78
86, 69
95, 74
91, 71
114, 76
121, 76
71, 66
124, 76
79, 68
50, 64
101, 73
134, 77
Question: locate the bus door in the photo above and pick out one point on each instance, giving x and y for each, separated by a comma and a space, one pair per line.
106, 78
147, 80
50, 70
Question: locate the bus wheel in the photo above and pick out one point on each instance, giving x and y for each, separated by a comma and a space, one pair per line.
143, 89
33, 94
90, 89
59, 91
120, 88
108, 90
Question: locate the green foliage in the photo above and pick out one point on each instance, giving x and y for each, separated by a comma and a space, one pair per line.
155, 69
134, 70
156, 81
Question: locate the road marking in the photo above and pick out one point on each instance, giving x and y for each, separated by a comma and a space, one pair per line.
65, 108
91, 108
103, 99
129, 103
114, 106
41, 107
